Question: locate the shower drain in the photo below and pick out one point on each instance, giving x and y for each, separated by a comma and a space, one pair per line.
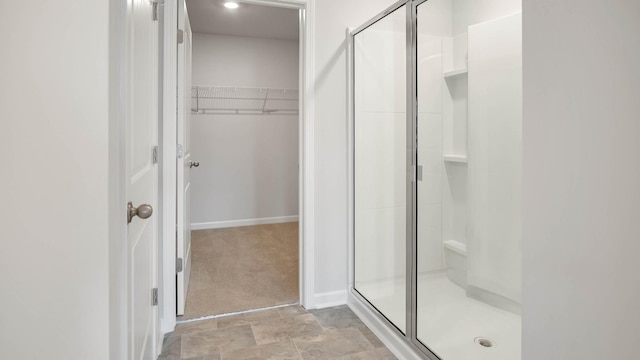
486, 342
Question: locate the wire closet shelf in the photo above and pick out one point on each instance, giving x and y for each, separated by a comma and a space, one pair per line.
243, 100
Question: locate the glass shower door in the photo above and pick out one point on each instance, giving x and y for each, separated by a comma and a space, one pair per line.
380, 165
469, 147
437, 169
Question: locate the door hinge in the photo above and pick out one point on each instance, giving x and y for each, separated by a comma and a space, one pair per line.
419, 173
155, 155
180, 151
180, 36
154, 9
179, 265
154, 296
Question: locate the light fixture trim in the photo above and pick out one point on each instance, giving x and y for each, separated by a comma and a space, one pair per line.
231, 5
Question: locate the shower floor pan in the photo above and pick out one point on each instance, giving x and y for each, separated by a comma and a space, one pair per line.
451, 324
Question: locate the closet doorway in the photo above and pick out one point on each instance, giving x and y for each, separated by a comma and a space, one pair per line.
243, 131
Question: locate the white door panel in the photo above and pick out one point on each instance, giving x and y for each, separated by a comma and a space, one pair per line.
184, 170
142, 176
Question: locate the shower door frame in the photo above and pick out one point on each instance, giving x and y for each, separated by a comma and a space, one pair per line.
410, 338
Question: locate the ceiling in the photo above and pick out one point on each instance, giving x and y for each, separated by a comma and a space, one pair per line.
211, 17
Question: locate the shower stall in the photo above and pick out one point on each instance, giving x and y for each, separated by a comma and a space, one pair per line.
436, 102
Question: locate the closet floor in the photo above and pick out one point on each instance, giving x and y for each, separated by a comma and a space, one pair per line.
242, 268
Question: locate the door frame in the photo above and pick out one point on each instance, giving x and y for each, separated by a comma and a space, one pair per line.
118, 317
306, 177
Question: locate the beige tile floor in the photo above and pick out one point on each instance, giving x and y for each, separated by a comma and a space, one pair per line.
242, 268
283, 333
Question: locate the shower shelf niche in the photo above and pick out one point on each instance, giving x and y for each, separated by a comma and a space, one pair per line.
455, 158
243, 100
455, 246
458, 73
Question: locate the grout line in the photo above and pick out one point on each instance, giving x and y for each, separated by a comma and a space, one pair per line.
211, 317
253, 333
296, 346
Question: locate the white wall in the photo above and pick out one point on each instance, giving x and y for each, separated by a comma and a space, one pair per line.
54, 184
434, 30
333, 17
248, 163
469, 12
494, 227
581, 179
244, 61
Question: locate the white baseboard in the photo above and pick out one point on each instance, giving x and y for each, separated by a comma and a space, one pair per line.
329, 299
244, 222
389, 337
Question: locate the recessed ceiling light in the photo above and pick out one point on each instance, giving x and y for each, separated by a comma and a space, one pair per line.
231, 5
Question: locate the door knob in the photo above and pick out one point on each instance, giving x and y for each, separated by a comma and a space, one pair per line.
143, 211
193, 164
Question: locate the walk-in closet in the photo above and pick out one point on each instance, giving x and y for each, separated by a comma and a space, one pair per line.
243, 107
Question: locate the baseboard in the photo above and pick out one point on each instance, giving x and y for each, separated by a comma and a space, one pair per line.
329, 299
389, 337
244, 222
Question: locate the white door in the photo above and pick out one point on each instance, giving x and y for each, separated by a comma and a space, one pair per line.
141, 177
185, 163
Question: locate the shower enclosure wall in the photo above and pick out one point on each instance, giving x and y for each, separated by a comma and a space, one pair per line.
437, 123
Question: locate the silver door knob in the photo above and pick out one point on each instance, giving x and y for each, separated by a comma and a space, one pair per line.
143, 211
193, 164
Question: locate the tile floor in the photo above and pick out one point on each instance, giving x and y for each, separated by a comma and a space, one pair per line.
283, 333
241, 268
